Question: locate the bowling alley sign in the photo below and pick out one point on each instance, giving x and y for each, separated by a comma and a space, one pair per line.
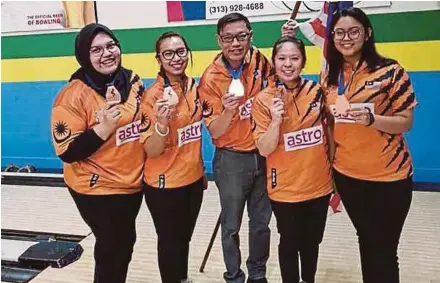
45, 15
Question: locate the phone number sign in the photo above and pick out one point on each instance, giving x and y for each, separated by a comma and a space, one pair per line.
217, 9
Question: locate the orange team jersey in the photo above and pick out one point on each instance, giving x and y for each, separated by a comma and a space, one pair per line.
364, 152
214, 84
116, 167
181, 162
298, 169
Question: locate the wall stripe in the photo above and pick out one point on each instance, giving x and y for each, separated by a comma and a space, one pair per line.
391, 27
26, 134
414, 56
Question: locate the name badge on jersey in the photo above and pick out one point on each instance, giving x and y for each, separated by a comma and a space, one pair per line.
93, 180
347, 118
245, 109
128, 133
303, 139
161, 181
372, 85
190, 133
273, 177
315, 106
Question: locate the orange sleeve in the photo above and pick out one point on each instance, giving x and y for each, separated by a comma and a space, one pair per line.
67, 122
211, 101
260, 118
148, 118
269, 70
401, 92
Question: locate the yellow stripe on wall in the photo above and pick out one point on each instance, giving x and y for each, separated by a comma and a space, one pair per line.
413, 56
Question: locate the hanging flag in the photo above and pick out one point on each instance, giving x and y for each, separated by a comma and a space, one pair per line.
179, 11
317, 30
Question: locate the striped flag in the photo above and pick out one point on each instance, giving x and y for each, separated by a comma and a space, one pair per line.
317, 30
178, 11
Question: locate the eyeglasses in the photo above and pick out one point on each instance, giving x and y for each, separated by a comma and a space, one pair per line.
353, 33
229, 38
97, 51
169, 54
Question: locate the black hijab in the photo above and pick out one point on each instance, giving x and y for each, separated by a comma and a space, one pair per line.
99, 82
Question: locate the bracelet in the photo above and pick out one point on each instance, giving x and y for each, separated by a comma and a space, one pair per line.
371, 119
159, 133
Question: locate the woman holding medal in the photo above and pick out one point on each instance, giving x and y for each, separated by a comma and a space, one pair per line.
288, 124
173, 176
372, 101
95, 124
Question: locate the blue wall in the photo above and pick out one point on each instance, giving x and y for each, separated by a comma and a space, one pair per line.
26, 135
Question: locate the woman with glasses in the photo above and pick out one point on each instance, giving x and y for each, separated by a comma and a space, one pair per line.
95, 128
288, 124
173, 175
372, 101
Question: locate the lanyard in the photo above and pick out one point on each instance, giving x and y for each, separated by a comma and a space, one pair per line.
278, 84
341, 87
234, 73
185, 88
166, 81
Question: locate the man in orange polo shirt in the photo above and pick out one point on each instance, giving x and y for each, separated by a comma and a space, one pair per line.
227, 89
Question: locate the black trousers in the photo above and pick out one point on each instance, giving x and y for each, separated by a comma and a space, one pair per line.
378, 211
112, 219
301, 227
174, 212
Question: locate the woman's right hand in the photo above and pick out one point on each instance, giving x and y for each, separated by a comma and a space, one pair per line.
163, 112
108, 119
277, 111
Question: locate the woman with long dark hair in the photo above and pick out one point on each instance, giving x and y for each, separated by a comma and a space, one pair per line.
372, 101
288, 124
173, 176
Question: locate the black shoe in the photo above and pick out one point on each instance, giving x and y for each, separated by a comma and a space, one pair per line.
261, 280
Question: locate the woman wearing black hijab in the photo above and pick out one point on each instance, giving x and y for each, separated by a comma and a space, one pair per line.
96, 125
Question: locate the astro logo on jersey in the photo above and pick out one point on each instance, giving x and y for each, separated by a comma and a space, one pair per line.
190, 133
245, 109
128, 133
303, 139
